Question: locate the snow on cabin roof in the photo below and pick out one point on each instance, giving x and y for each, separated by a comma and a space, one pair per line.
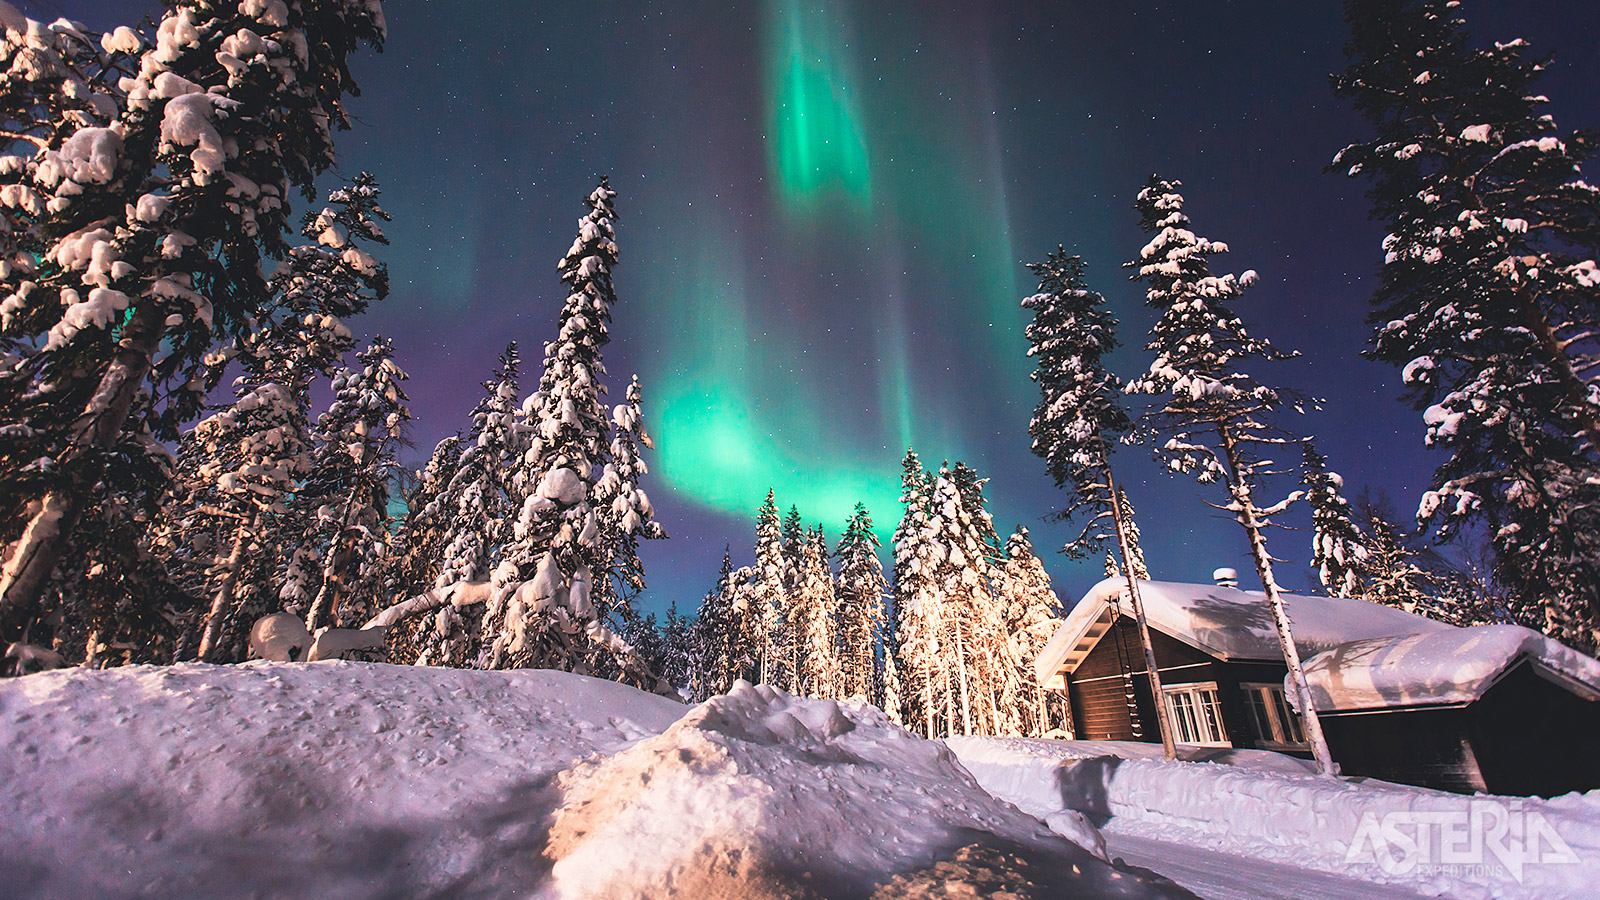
1226, 623
1442, 667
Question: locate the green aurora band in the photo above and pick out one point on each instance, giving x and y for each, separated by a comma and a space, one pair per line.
817, 146
747, 396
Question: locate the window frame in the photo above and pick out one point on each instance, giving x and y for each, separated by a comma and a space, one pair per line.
1282, 722
1192, 718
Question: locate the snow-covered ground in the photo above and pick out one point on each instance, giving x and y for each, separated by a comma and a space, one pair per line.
1266, 807
350, 780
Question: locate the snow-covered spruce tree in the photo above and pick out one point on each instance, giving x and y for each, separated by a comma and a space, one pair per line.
794, 539
1393, 577
1032, 612
478, 505
254, 454
478, 492
542, 610
251, 458
792, 532
1338, 548
56, 81
747, 632
977, 650
1212, 413
892, 702
817, 629
625, 511
1077, 422
919, 611
1398, 573
715, 637
860, 592
1488, 298
421, 539
679, 652
767, 597
347, 492
1130, 532
153, 217
319, 284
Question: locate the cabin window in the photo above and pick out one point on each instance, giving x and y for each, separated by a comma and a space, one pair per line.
1196, 714
1274, 723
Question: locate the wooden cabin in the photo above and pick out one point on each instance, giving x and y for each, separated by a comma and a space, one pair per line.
1500, 708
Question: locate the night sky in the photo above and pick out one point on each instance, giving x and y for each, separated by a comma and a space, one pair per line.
824, 212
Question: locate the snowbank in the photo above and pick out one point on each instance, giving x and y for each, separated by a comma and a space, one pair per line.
351, 780
1257, 808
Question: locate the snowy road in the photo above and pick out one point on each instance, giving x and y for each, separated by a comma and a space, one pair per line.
1219, 876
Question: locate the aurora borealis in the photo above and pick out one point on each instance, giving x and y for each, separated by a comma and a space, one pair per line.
825, 207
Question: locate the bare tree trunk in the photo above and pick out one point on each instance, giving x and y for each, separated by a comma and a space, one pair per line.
91, 651
44, 539
961, 663
326, 603
1248, 517
949, 705
1163, 721
223, 599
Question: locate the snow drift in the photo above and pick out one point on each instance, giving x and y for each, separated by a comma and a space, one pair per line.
1256, 804
351, 780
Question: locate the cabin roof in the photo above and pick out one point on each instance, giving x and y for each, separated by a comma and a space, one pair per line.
1448, 667
1226, 623
1358, 655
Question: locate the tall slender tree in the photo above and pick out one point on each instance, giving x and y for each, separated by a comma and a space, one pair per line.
860, 593
626, 514
421, 539
1488, 296
544, 610
716, 637
766, 597
813, 623
1032, 614
919, 612
348, 489
478, 497
1077, 423
1213, 414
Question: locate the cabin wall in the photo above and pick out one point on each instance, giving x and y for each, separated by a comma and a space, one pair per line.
1098, 690
1099, 694
1486, 746
1425, 747
1526, 717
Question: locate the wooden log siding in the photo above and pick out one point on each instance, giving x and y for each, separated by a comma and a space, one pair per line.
1098, 689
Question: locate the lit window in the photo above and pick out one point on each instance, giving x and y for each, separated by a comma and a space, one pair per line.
1196, 714
1273, 722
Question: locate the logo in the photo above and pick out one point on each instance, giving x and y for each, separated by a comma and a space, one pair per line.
1488, 837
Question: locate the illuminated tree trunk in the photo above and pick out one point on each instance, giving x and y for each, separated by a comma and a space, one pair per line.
1239, 486
1163, 720
223, 599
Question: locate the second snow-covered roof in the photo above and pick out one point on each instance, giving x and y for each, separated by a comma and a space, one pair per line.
1440, 668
